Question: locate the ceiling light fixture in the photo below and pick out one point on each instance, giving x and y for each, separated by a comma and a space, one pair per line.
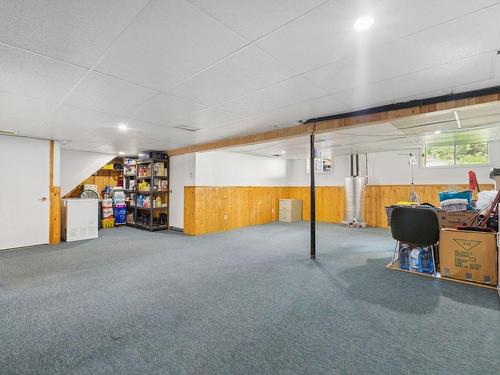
283, 152
121, 153
122, 127
437, 132
7, 132
363, 23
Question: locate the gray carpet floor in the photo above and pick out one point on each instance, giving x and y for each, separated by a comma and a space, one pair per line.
242, 302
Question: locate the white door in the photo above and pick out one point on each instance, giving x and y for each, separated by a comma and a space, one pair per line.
24, 192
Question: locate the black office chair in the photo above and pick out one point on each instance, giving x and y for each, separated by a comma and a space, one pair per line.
415, 225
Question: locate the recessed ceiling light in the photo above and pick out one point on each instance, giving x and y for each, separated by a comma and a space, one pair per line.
122, 127
363, 23
437, 132
283, 152
121, 153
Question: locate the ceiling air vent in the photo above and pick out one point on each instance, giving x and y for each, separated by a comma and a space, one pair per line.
187, 128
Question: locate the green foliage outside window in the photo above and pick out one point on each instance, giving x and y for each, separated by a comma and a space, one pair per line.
460, 154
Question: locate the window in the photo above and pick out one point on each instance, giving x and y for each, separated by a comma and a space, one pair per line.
456, 154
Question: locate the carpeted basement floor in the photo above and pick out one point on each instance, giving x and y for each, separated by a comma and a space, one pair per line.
242, 302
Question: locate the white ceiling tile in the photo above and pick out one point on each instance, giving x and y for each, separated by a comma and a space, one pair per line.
468, 70
169, 42
444, 43
431, 47
178, 136
161, 145
239, 128
18, 106
284, 93
477, 85
24, 127
251, 125
211, 118
71, 30
326, 34
112, 140
405, 17
166, 109
172, 111
252, 18
101, 92
71, 123
84, 118
435, 81
29, 74
81, 145
317, 107
322, 36
248, 70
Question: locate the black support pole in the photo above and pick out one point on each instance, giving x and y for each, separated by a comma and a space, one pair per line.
313, 199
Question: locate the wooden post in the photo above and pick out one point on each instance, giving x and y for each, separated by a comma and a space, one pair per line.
55, 203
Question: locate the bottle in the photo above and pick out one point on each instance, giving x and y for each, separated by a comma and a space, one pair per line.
404, 257
425, 264
414, 258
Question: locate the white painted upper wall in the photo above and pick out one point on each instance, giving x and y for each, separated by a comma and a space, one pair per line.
222, 168
391, 168
182, 173
76, 166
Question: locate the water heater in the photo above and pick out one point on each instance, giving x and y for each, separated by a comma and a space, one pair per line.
354, 199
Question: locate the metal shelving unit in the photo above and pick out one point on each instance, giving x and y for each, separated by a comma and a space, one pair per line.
129, 178
151, 218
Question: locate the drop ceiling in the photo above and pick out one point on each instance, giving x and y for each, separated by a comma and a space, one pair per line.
479, 123
72, 70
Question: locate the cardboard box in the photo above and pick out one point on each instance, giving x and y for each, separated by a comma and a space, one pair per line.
455, 219
468, 255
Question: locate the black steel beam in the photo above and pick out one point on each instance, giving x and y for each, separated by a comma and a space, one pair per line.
409, 104
313, 198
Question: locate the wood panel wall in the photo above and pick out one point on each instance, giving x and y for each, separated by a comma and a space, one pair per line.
209, 209
329, 202
101, 178
379, 196
54, 202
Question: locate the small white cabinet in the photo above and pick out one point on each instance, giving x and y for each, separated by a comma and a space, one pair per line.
79, 219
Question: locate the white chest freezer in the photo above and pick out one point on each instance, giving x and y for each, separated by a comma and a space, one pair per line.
79, 219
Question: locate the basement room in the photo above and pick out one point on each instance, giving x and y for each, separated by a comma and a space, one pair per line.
249, 187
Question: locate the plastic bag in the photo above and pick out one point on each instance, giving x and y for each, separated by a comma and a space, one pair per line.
485, 199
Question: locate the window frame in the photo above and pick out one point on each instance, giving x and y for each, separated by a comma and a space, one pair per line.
454, 165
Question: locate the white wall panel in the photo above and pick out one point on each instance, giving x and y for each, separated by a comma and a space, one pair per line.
76, 166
